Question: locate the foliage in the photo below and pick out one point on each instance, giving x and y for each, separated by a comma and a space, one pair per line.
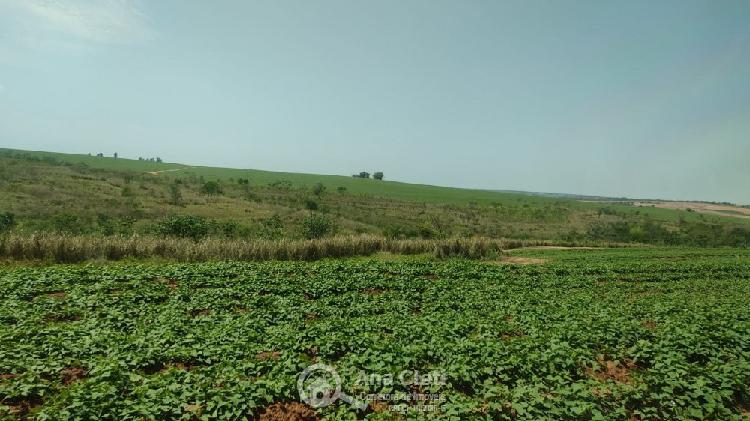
378, 175
272, 228
318, 189
175, 194
185, 226
211, 188
7, 221
317, 226
614, 334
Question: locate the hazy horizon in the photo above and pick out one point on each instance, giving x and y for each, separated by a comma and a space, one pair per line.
636, 99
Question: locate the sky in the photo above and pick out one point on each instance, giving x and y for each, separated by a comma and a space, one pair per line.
642, 99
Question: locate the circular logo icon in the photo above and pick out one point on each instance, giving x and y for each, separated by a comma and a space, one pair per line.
319, 385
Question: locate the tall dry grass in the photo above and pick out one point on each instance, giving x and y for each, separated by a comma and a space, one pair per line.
78, 248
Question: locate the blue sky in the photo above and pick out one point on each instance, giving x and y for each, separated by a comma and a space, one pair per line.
628, 98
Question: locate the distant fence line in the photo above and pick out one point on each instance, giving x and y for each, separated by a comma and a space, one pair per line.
77, 248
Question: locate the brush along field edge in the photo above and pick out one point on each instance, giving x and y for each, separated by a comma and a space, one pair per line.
72, 248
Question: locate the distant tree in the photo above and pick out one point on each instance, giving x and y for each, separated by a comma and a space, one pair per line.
175, 195
378, 175
99, 155
211, 188
318, 189
158, 159
363, 174
115, 155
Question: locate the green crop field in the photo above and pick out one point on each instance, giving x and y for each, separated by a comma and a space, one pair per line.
578, 334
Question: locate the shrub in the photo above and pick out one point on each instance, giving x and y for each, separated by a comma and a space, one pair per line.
378, 175
311, 205
185, 226
211, 188
7, 221
175, 195
67, 223
229, 229
318, 189
317, 226
272, 228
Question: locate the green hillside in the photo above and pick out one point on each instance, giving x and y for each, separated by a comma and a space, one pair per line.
82, 194
384, 188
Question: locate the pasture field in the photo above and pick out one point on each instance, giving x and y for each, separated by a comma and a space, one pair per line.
580, 334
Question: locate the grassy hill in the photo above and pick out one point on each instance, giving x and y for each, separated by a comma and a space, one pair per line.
46, 191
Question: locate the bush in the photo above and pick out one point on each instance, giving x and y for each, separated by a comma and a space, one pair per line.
311, 205
317, 226
184, 226
67, 223
318, 189
378, 175
211, 188
272, 228
7, 221
175, 195
228, 229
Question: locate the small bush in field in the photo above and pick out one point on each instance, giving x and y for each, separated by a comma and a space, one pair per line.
211, 188
317, 226
185, 226
7, 221
272, 228
318, 189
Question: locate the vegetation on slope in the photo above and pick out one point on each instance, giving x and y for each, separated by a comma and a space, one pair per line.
78, 194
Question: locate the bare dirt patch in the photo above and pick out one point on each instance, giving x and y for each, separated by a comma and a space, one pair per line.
71, 375
559, 248
62, 318
512, 335
170, 283
22, 408
618, 372
195, 409
372, 291
378, 406
268, 355
649, 324
55, 295
200, 312
517, 260
711, 208
289, 411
